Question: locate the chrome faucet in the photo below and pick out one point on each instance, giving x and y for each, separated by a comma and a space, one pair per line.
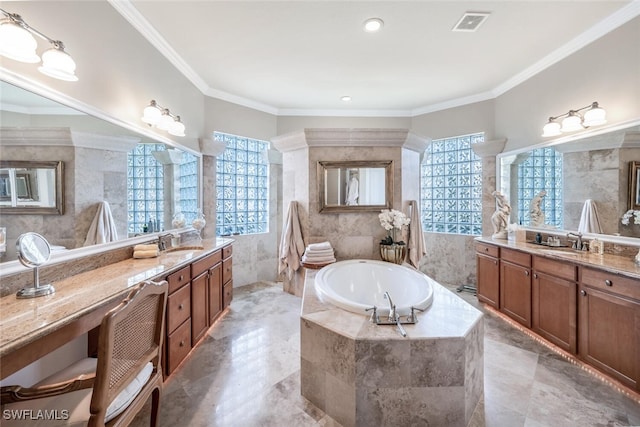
392, 308
161, 244
578, 243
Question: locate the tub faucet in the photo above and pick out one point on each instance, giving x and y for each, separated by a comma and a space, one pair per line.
392, 308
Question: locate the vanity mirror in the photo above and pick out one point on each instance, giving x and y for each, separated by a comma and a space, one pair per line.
92, 160
355, 186
592, 166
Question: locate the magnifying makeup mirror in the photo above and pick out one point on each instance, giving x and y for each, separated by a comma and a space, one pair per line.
33, 251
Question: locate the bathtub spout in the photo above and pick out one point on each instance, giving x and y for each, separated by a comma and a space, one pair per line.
392, 308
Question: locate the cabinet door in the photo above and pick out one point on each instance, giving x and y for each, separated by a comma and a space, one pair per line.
199, 317
609, 338
554, 310
488, 273
515, 292
215, 292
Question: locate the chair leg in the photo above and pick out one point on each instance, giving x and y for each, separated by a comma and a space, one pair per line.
155, 406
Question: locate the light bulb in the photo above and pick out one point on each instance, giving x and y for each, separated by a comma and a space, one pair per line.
572, 123
177, 127
151, 114
58, 64
551, 129
595, 116
17, 43
165, 120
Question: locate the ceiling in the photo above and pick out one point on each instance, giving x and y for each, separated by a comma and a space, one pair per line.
301, 57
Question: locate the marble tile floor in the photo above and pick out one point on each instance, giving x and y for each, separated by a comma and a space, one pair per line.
246, 373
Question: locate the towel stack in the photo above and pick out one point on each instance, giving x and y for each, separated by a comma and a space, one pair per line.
145, 251
319, 253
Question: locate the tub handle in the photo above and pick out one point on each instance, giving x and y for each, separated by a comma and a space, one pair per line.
413, 317
374, 314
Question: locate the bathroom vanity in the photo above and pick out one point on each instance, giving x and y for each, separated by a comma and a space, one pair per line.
586, 304
199, 290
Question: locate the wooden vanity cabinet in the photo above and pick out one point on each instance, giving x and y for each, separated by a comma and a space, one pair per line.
609, 324
227, 276
515, 285
178, 318
488, 274
554, 302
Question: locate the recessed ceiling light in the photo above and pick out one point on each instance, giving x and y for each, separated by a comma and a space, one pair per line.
372, 25
346, 98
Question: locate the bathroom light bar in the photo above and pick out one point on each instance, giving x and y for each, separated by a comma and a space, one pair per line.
17, 42
573, 120
160, 117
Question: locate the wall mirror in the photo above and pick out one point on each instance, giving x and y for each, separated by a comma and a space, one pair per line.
355, 186
594, 166
31, 188
634, 185
140, 178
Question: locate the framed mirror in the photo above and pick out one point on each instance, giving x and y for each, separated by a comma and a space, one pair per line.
355, 186
31, 187
144, 180
634, 187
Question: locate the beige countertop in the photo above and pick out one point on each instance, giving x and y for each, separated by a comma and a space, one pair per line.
23, 321
613, 263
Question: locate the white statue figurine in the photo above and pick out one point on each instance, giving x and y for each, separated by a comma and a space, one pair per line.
500, 218
535, 212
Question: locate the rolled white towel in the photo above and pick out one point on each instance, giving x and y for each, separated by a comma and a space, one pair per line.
319, 246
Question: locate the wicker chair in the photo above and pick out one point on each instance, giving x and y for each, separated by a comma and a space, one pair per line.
111, 389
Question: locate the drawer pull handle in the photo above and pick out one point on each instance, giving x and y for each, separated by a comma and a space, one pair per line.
182, 343
180, 307
181, 278
486, 249
495, 262
608, 282
535, 276
526, 272
583, 293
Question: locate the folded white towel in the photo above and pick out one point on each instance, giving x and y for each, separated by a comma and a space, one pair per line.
319, 252
324, 260
319, 246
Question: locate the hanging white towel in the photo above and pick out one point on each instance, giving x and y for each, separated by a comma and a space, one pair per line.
103, 227
291, 243
416, 238
589, 221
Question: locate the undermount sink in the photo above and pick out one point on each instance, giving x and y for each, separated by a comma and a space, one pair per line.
183, 248
567, 252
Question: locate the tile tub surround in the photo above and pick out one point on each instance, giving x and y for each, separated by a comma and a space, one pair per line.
363, 374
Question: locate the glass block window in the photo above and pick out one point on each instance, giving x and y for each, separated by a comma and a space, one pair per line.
145, 188
242, 186
451, 186
189, 186
542, 170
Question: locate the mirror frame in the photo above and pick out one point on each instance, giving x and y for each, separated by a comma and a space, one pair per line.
58, 209
634, 188
322, 166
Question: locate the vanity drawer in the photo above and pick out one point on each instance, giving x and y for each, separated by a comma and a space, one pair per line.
178, 346
227, 270
179, 278
202, 265
560, 269
226, 251
489, 250
516, 257
178, 308
610, 282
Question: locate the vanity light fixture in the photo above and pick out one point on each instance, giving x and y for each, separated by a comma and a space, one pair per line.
160, 117
17, 42
574, 120
372, 25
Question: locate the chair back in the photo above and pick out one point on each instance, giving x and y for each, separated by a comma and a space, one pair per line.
130, 337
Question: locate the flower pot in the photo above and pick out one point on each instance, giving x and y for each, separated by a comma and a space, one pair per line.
394, 253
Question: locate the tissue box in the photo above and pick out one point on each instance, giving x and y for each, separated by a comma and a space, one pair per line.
517, 236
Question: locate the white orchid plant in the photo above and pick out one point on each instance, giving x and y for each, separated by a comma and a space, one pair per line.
630, 214
392, 220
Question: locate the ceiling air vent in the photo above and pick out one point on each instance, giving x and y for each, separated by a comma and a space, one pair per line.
471, 21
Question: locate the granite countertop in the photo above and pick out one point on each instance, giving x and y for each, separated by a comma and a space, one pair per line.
23, 321
613, 263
